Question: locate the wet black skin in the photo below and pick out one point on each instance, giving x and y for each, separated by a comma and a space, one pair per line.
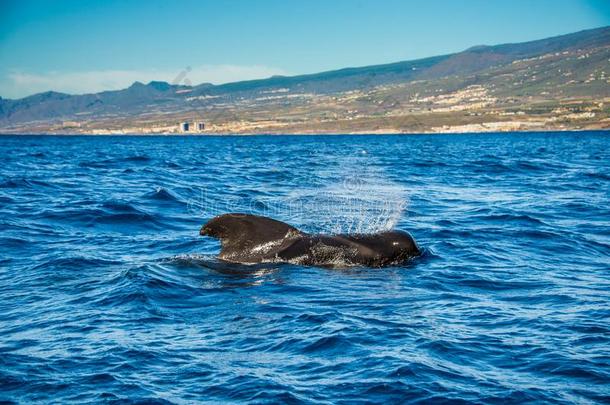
254, 239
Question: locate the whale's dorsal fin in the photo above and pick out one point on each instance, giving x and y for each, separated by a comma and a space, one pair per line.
242, 234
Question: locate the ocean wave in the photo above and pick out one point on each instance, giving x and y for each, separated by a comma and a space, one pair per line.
162, 194
24, 183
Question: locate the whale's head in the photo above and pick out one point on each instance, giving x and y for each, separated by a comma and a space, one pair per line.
401, 244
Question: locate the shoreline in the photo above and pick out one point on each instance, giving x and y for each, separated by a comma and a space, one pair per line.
304, 134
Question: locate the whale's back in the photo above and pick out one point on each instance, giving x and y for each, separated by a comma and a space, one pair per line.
248, 238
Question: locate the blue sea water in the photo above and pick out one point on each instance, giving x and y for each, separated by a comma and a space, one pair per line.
107, 293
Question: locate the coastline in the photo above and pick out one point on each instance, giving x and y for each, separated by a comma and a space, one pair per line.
584, 115
307, 134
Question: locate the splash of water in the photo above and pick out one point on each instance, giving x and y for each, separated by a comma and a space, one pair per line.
357, 198
351, 194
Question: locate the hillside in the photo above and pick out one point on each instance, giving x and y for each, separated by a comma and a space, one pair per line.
556, 83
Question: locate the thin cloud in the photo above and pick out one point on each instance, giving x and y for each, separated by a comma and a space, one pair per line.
20, 84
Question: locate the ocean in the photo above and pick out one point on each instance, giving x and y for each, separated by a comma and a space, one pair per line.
109, 294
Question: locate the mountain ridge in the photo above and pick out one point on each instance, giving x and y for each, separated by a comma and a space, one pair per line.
469, 67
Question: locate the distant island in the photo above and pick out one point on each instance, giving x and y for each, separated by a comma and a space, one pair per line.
559, 83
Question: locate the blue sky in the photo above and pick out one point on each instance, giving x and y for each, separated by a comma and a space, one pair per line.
84, 46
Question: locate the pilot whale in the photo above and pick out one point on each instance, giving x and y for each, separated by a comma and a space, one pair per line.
251, 239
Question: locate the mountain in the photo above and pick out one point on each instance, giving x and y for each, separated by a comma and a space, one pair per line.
469, 61
567, 67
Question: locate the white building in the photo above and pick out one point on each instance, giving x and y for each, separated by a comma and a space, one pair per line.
191, 127
185, 127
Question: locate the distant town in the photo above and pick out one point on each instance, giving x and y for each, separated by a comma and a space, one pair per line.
195, 127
